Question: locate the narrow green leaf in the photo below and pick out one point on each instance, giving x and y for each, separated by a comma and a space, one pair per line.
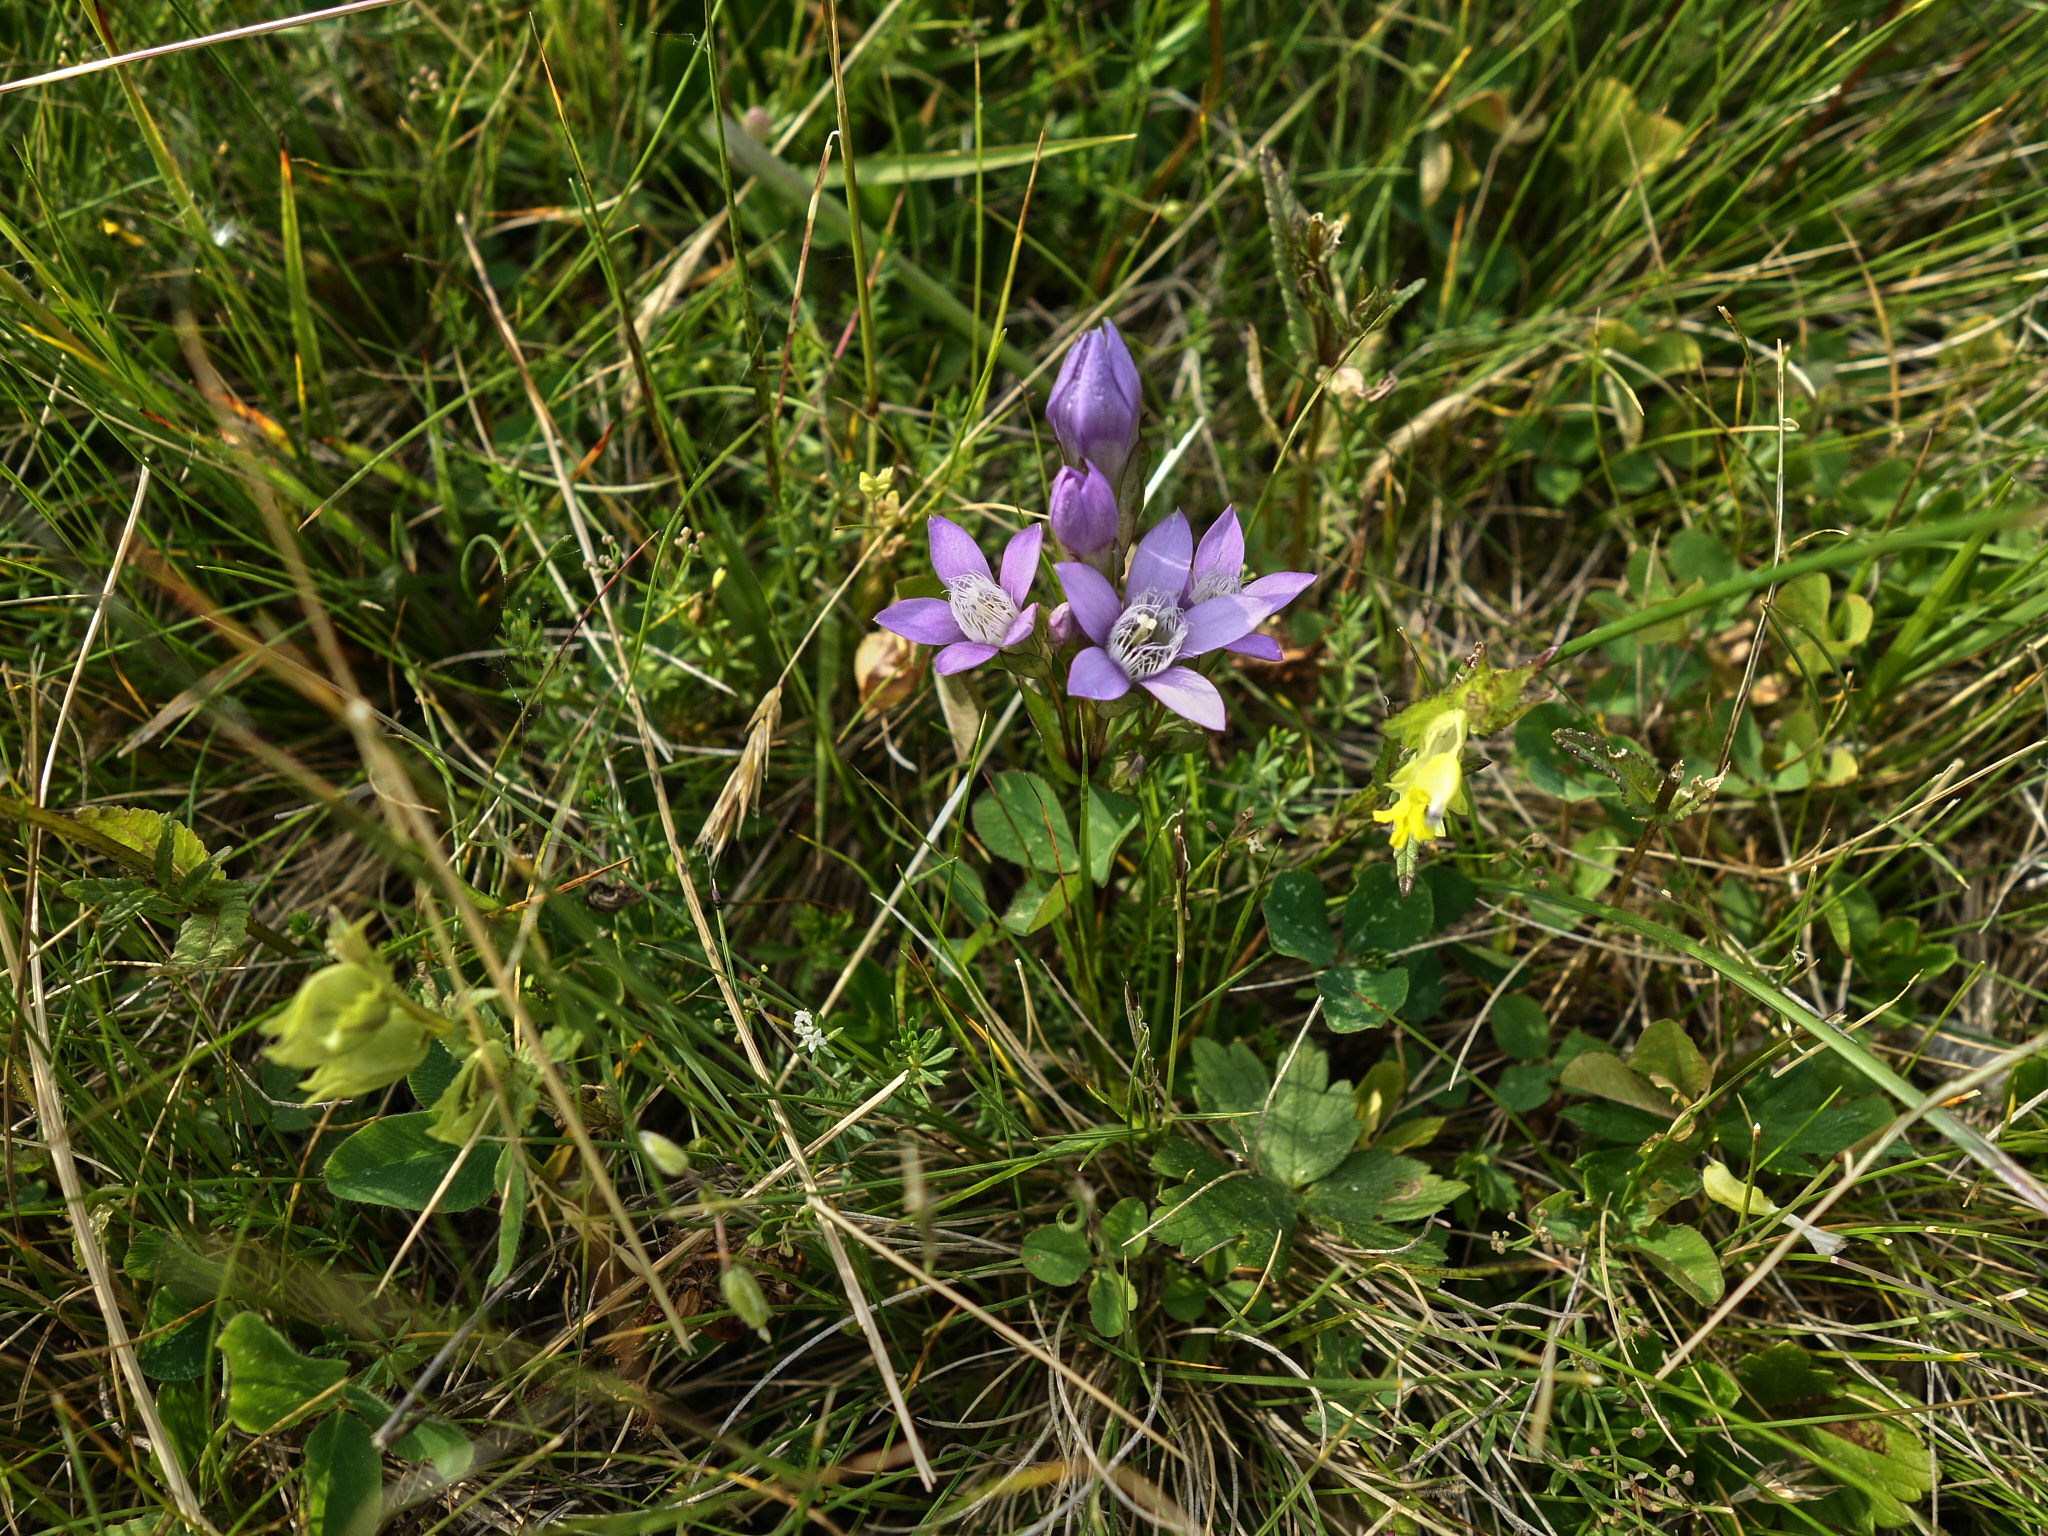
895, 170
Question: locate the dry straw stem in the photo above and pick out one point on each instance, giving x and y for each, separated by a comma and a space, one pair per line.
712, 954
233, 34
988, 1319
742, 790
25, 966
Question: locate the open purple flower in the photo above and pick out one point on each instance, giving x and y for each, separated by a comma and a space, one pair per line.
1218, 571
1094, 404
1145, 635
979, 615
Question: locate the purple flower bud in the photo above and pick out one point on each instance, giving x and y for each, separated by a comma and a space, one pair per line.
1060, 626
1094, 404
1083, 512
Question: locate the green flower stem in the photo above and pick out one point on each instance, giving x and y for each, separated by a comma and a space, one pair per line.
1848, 552
2000, 1163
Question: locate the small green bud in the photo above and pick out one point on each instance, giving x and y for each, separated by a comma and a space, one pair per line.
671, 1159
743, 1295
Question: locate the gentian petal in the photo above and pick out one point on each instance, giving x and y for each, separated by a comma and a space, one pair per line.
1021, 625
1082, 511
1020, 563
927, 620
1188, 694
1258, 647
1095, 675
1218, 622
1221, 549
1090, 598
954, 553
1160, 562
1276, 591
958, 658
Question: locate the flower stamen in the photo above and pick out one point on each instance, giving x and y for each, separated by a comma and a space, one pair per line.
1147, 635
982, 609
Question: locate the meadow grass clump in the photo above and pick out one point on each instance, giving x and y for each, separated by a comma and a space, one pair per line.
918, 768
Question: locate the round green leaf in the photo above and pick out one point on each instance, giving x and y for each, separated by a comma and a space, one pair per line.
1377, 916
1056, 1255
1020, 819
1523, 1087
269, 1382
1355, 998
344, 1478
1295, 921
1110, 1300
1519, 1027
393, 1161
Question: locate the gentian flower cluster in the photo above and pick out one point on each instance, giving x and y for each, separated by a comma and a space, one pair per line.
1178, 601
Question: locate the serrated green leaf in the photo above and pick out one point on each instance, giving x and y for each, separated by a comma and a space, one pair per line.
1296, 922
1216, 1203
1306, 1131
214, 935
1056, 1255
1784, 1373
144, 832
270, 1384
1376, 1188
117, 901
1230, 1081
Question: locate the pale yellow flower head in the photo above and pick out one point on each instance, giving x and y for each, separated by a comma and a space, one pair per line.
1429, 785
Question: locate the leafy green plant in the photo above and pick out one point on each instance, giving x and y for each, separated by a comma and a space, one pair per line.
1374, 968
1297, 1139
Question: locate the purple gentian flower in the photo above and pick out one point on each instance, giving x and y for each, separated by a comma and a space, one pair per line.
1143, 636
1218, 571
979, 615
1094, 404
1083, 513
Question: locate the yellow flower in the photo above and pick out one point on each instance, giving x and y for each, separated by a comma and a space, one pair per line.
1428, 787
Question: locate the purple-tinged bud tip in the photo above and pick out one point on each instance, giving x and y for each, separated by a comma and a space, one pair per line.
1094, 404
1060, 627
1083, 507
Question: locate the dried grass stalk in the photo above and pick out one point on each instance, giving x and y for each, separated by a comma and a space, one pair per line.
742, 791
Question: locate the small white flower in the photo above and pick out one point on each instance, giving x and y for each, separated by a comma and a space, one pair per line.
808, 1036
